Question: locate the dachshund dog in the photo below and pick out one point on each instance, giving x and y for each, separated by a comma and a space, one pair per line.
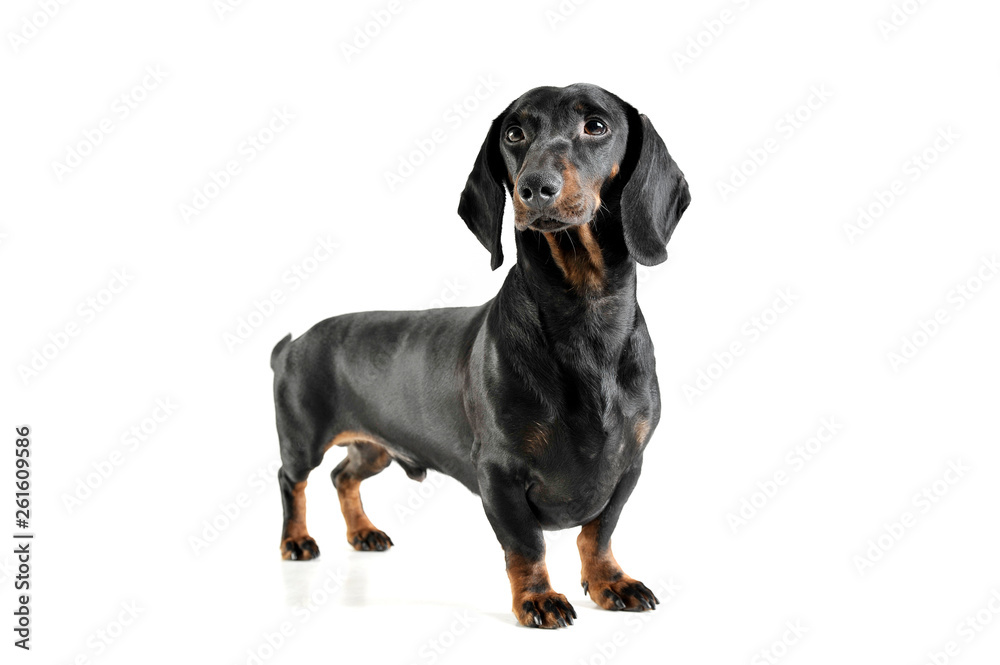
542, 400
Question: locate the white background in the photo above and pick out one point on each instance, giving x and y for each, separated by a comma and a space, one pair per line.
727, 595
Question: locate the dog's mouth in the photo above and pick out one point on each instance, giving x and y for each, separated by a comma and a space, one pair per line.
549, 225
566, 215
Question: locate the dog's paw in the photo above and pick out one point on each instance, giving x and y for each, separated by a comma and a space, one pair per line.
369, 540
299, 549
623, 593
547, 609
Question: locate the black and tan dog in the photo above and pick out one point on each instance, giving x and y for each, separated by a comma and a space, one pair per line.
542, 400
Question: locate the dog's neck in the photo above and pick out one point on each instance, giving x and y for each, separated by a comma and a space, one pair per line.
583, 281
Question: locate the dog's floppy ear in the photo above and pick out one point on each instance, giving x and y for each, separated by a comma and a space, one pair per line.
482, 202
655, 194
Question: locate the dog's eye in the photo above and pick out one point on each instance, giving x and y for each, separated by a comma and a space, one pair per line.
515, 134
595, 127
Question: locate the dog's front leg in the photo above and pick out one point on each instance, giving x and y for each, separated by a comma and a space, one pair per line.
602, 578
535, 603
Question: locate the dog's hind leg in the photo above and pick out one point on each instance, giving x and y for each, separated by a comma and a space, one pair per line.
301, 452
296, 543
364, 459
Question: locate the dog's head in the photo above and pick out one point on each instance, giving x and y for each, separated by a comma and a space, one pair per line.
558, 151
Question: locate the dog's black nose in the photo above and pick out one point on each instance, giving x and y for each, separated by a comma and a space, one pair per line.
539, 188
